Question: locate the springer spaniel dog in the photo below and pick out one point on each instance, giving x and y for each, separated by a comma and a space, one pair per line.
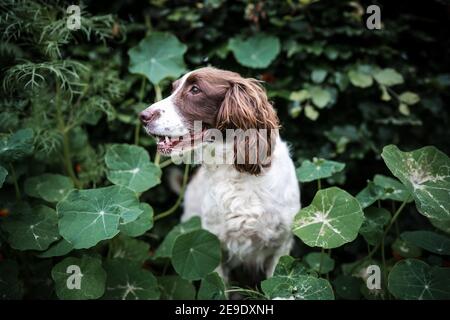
249, 200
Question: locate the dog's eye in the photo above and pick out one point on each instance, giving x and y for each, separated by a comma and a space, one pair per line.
194, 90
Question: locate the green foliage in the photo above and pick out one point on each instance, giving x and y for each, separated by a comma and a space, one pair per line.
78, 186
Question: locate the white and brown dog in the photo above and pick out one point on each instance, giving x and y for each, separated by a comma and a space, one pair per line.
250, 203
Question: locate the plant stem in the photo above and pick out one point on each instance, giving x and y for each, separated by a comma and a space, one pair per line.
180, 197
319, 185
165, 163
322, 253
137, 128
16, 185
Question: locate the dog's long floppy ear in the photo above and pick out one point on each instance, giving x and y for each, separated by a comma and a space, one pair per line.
247, 110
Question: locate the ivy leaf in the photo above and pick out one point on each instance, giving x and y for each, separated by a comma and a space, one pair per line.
212, 287
89, 216
318, 169
302, 288
127, 248
92, 278
370, 194
176, 288
61, 248
331, 220
373, 226
16, 146
392, 189
319, 96
11, 288
315, 259
165, 248
33, 230
409, 98
388, 77
426, 174
50, 187
360, 79
428, 240
141, 225
195, 254
127, 281
158, 56
130, 166
255, 52
413, 279
3, 174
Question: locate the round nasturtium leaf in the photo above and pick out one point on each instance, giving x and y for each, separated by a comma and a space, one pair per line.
301, 288
375, 219
319, 262
141, 225
176, 288
406, 249
128, 281
195, 254
318, 169
130, 166
131, 249
11, 288
413, 279
79, 278
16, 146
347, 287
50, 187
32, 230
165, 248
370, 194
61, 248
3, 174
89, 216
255, 52
426, 174
158, 56
331, 220
428, 240
212, 287
392, 189
443, 225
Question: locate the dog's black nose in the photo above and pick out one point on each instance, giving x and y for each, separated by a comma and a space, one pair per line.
149, 116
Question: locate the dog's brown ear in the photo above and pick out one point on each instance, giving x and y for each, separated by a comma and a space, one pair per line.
247, 110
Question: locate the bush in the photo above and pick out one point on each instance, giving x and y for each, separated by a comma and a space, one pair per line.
79, 189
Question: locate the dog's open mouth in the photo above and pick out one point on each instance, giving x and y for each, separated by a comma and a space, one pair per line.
168, 144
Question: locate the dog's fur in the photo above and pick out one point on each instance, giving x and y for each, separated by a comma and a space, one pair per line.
248, 206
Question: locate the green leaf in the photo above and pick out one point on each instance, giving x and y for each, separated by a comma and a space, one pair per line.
319, 96
165, 248
195, 254
373, 226
331, 220
426, 174
130, 166
212, 287
311, 113
360, 79
428, 240
314, 259
158, 56
11, 288
92, 278
413, 279
61, 248
370, 194
127, 281
301, 288
176, 288
443, 225
409, 98
392, 189
289, 267
127, 248
318, 75
89, 216
318, 169
406, 249
34, 230
347, 287
299, 96
255, 52
3, 174
141, 225
16, 146
388, 77
50, 187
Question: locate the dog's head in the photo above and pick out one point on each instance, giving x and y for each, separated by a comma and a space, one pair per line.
221, 100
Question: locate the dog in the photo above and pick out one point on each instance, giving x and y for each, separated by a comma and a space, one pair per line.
248, 205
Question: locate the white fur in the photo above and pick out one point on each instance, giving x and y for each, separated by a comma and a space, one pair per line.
251, 215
